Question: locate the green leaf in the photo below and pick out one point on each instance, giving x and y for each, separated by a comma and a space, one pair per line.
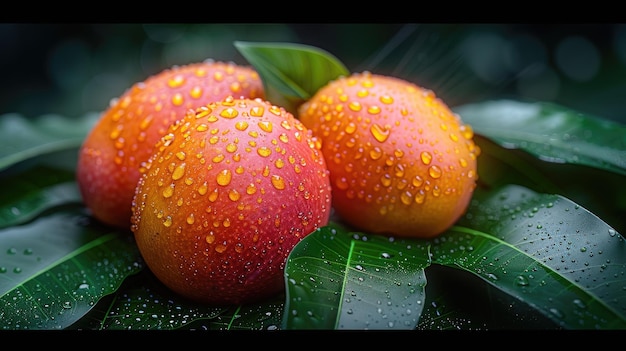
457, 300
336, 279
24, 138
547, 253
144, 303
498, 166
31, 192
551, 132
56, 268
545, 250
291, 73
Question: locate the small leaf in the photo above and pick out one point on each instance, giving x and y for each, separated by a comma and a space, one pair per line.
338, 279
551, 132
291, 73
24, 138
55, 269
545, 250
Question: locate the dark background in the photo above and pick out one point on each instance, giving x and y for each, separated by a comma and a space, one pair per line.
73, 69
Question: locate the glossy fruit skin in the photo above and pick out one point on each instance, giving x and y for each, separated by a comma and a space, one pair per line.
401, 162
229, 191
114, 153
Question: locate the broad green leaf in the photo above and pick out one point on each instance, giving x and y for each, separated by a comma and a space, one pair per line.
56, 268
545, 250
547, 253
266, 315
498, 166
291, 73
457, 300
338, 279
144, 303
29, 193
24, 138
551, 132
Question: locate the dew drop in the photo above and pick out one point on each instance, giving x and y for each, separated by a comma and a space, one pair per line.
556, 312
264, 151
278, 182
176, 81
234, 195
210, 238
435, 171
417, 181
492, 276
354, 106
220, 248
168, 191
350, 128
178, 99
191, 219
426, 157
179, 171
385, 180
168, 221
213, 195
224, 177
521, 280
386, 99
406, 197
374, 110
579, 303
266, 126
195, 92
229, 113
376, 153
257, 111
202, 189
420, 196
380, 133
342, 183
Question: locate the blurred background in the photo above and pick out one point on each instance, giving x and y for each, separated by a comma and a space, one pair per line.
74, 69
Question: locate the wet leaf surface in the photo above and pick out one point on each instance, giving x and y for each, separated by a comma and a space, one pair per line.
545, 250
33, 191
337, 279
55, 269
551, 132
24, 138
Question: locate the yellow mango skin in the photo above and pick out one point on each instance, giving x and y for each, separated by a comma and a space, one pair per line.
401, 162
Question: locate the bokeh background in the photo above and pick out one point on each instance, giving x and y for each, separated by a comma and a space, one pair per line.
75, 69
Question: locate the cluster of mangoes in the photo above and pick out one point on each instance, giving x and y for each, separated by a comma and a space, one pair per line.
218, 184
